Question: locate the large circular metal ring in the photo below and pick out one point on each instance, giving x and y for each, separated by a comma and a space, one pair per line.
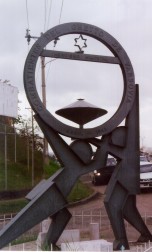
114, 47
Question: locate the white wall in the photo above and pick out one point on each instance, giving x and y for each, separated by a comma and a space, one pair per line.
8, 100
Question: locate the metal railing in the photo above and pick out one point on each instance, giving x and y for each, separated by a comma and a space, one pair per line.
81, 220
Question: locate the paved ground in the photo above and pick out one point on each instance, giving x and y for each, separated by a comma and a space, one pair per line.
144, 200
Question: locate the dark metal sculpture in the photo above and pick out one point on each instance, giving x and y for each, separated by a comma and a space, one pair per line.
81, 112
84, 45
49, 197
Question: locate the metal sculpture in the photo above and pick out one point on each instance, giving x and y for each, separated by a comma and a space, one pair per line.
49, 197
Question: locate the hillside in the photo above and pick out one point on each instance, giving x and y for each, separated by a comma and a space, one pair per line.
16, 161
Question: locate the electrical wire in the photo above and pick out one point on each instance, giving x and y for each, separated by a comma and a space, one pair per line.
28, 23
45, 8
61, 11
50, 10
27, 16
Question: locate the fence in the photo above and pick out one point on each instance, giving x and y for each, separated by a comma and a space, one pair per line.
5, 218
21, 242
18, 157
82, 219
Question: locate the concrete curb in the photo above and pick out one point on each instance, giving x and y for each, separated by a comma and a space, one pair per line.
91, 197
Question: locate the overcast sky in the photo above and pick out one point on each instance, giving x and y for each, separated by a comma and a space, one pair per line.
129, 21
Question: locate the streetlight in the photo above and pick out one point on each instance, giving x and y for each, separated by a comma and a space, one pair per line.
45, 147
43, 64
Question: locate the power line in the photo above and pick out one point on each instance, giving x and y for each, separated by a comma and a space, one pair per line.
28, 25
50, 9
28, 36
27, 16
45, 7
61, 11
59, 23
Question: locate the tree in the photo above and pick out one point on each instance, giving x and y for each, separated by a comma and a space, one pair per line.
28, 131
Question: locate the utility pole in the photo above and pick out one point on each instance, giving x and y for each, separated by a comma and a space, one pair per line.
32, 149
45, 143
28, 150
32, 146
5, 158
45, 146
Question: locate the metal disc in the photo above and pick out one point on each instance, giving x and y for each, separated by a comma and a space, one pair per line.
81, 112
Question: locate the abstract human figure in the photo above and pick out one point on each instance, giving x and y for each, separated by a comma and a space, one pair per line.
120, 200
121, 193
49, 198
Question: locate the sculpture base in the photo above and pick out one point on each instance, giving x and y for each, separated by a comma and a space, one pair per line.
95, 245
68, 236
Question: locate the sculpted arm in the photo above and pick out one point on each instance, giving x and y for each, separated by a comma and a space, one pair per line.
62, 150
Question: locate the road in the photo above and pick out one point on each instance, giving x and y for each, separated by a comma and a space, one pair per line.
144, 200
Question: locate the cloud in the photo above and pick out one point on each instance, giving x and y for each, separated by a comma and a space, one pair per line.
101, 84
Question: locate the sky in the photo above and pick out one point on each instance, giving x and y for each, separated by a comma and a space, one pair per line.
128, 21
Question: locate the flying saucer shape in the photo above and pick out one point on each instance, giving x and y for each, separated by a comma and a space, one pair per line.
81, 112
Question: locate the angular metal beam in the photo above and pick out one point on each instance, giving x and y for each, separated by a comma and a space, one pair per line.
59, 222
80, 56
45, 204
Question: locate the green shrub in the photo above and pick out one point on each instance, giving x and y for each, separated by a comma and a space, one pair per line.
51, 168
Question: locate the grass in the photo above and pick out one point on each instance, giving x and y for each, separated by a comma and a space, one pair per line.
12, 206
79, 192
24, 239
18, 176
